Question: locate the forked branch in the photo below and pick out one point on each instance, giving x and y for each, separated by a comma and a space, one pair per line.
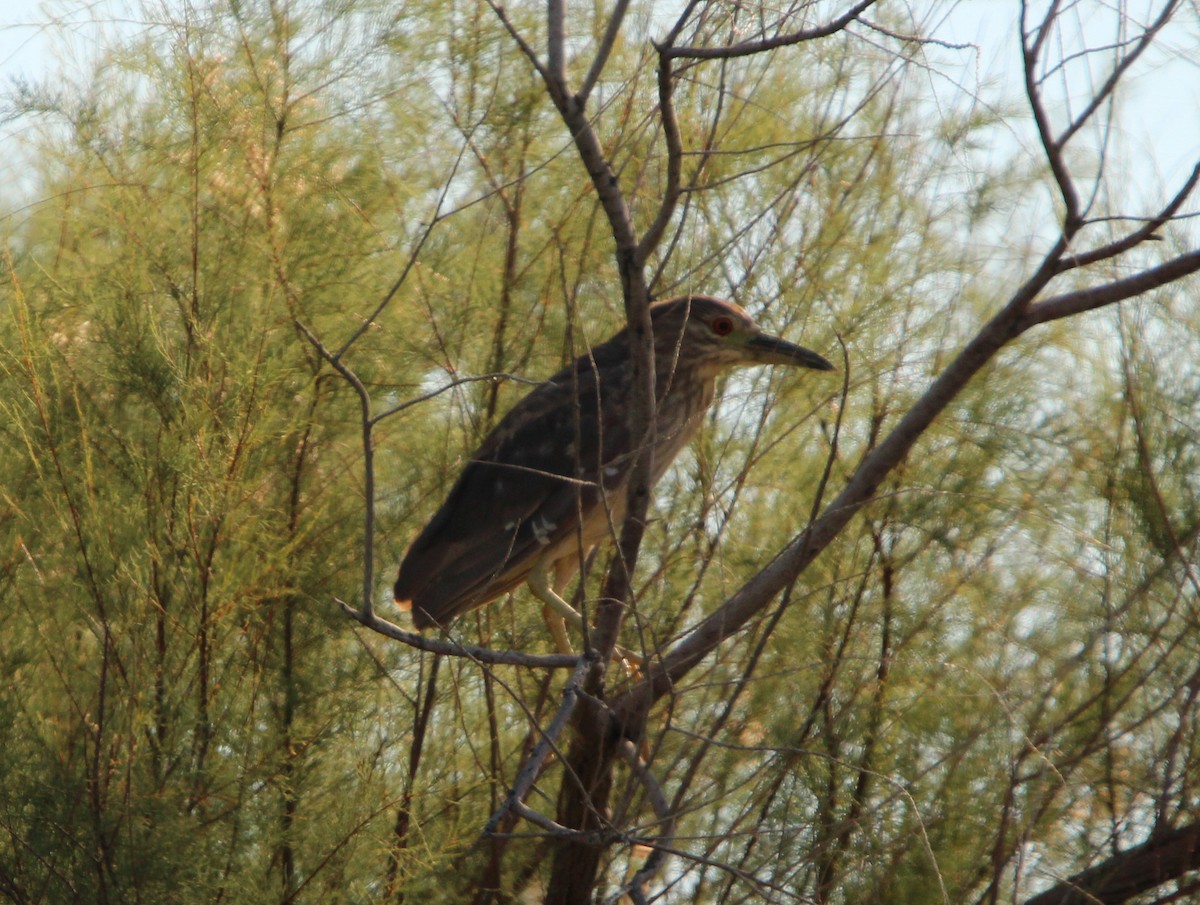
762, 45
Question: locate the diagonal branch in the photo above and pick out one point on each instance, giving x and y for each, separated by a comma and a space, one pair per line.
660, 849
1070, 303
1104, 91
749, 48
1164, 857
1143, 234
1016, 317
522, 44
615, 20
546, 746
756, 594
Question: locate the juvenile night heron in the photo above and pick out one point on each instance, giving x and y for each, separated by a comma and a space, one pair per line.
549, 482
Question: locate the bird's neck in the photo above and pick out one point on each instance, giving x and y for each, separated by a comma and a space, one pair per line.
682, 401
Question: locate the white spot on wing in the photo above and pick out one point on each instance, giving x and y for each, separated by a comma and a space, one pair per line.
541, 530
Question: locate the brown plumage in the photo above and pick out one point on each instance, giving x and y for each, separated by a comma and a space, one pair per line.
549, 482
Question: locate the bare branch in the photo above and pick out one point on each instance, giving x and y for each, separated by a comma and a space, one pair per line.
615, 19
493, 377
754, 596
1165, 856
1144, 233
591, 755
670, 125
660, 849
541, 820
1104, 91
1062, 176
546, 746
554, 42
749, 48
366, 606
450, 649
1015, 318
1043, 31
680, 23
1069, 303
526, 49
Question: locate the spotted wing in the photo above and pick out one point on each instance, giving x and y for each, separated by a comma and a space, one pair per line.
524, 489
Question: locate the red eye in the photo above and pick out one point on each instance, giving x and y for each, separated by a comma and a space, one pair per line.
722, 326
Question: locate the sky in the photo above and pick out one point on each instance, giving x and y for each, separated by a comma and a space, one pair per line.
1160, 116
23, 48
1160, 120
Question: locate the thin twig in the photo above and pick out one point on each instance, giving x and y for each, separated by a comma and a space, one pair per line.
412, 259
530, 53
670, 127
457, 382
367, 425
1058, 167
660, 847
1114, 77
546, 745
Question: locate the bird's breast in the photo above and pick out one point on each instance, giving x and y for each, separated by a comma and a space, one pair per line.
679, 415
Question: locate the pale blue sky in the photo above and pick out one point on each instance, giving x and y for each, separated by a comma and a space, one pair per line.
1159, 118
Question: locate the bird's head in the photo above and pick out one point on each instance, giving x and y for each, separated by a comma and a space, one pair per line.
711, 334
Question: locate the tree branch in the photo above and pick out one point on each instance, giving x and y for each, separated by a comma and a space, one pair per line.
545, 746
670, 124
450, 649
756, 594
581, 803
1058, 167
661, 847
1069, 303
749, 48
366, 611
1165, 856
1104, 91
1142, 234
602, 52
554, 42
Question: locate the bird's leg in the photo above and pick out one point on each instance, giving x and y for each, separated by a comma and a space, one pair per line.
558, 630
557, 612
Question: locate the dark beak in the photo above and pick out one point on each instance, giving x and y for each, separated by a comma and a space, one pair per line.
771, 350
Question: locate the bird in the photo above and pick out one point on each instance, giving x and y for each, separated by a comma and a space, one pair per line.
549, 483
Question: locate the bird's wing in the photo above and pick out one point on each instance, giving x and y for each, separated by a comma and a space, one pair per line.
523, 490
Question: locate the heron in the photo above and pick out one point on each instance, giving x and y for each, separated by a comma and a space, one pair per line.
549, 483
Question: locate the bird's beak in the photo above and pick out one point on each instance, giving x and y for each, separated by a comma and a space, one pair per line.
771, 350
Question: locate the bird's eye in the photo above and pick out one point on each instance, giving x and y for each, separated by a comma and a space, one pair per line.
722, 326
